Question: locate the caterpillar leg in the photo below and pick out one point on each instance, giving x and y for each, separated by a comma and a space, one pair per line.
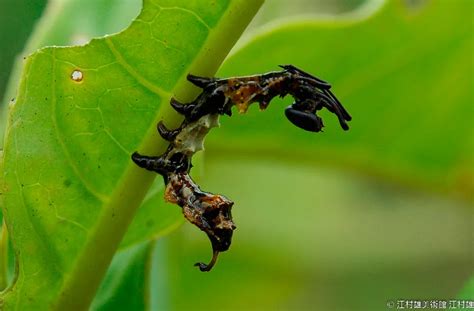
184, 109
155, 164
167, 134
201, 82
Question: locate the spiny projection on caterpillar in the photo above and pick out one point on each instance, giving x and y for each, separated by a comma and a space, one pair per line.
212, 212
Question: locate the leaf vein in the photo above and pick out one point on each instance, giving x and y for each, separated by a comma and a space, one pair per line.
199, 18
129, 69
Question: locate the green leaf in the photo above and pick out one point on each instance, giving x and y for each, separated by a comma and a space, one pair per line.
137, 279
289, 9
64, 22
69, 188
408, 88
127, 283
70, 22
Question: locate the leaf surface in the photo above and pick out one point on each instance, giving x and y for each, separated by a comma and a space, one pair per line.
69, 188
63, 22
127, 283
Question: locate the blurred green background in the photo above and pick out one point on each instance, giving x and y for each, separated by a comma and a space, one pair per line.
328, 221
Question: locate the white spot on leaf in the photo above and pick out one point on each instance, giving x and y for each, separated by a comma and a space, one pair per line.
77, 75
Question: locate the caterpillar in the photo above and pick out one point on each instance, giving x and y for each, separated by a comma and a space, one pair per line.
212, 212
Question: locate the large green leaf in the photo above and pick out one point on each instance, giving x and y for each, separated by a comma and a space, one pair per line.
409, 89
69, 188
68, 22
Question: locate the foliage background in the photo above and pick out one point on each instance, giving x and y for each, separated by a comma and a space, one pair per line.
327, 221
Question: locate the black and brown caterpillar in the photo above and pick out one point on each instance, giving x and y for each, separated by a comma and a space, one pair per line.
212, 212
